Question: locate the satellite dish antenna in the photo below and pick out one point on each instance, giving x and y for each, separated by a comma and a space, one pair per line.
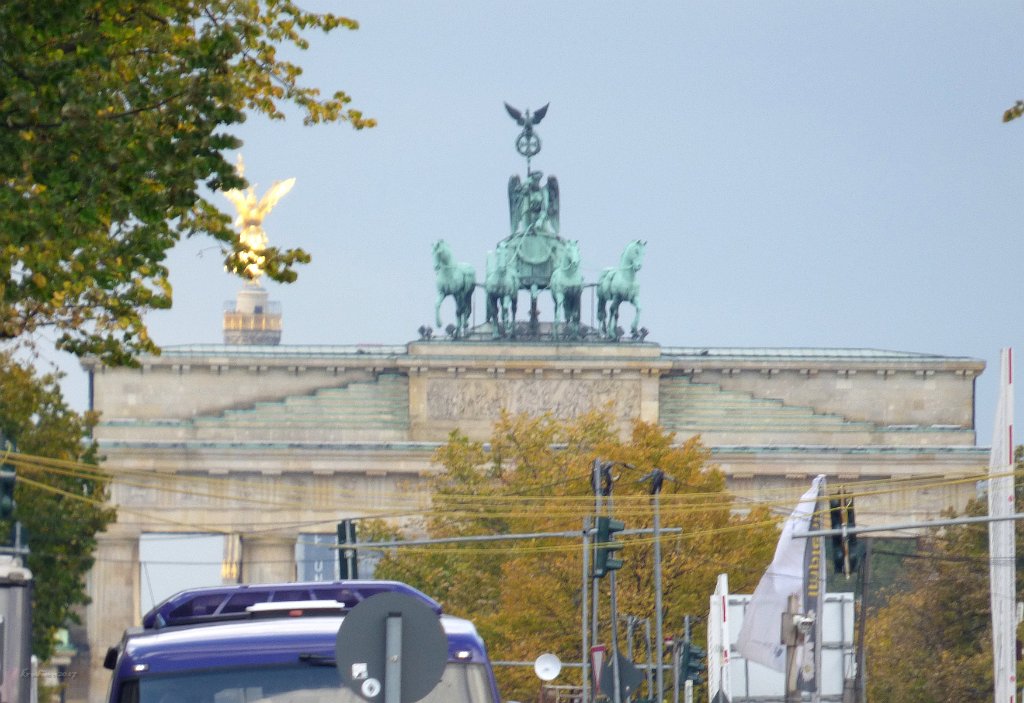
547, 667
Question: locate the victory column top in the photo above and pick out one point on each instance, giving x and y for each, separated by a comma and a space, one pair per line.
251, 213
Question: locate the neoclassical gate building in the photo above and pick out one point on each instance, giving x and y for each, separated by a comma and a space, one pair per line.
269, 446
263, 447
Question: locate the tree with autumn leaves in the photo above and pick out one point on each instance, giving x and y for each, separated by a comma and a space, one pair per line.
113, 115
116, 120
535, 476
61, 505
930, 641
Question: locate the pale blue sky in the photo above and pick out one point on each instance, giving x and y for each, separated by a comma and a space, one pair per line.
829, 174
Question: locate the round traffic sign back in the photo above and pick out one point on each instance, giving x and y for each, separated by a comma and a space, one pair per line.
361, 647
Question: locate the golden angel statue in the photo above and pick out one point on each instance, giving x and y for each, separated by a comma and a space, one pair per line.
250, 219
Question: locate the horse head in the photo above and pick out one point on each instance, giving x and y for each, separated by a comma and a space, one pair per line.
633, 254
442, 254
501, 260
570, 256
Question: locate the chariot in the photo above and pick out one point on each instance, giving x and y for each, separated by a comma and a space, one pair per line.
534, 257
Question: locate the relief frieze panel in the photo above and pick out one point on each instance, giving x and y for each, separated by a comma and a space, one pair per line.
451, 399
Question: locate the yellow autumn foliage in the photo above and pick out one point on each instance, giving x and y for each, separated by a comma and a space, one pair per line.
534, 476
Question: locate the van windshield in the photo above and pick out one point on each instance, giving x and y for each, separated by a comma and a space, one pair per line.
461, 683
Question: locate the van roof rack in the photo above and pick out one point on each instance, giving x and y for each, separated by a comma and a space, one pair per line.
218, 603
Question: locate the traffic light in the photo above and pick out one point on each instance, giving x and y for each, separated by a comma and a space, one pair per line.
692, 663
8, 475
606, 558
835, 511
348, 560
852, 548
845, 551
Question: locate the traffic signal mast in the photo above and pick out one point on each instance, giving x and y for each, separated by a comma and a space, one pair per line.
606, 558
845, 551
348, 559
8, 477
692, 662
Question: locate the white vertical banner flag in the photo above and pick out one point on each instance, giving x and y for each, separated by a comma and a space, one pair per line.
1001, 548
759, 639
809, 676
719, 683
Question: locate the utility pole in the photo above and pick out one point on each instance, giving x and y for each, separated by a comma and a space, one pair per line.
657, 477
616, 680
15, 591
791, 638
603, 482
585, 647
687, 684
631, 623
650, 655
348, 559
596, 582
862, 674
676, 647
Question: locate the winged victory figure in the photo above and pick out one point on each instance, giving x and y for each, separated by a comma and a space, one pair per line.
251, 214
533, 208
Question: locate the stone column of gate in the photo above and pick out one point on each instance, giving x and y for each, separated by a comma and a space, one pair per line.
113, 587
268, 559
650, 395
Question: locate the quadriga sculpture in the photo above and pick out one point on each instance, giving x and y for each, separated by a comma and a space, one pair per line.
619, 284
567, 289
501, 284
457, 279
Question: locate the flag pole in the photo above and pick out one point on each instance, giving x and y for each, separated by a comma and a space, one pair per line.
759, 637
819, 616
1002, 551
